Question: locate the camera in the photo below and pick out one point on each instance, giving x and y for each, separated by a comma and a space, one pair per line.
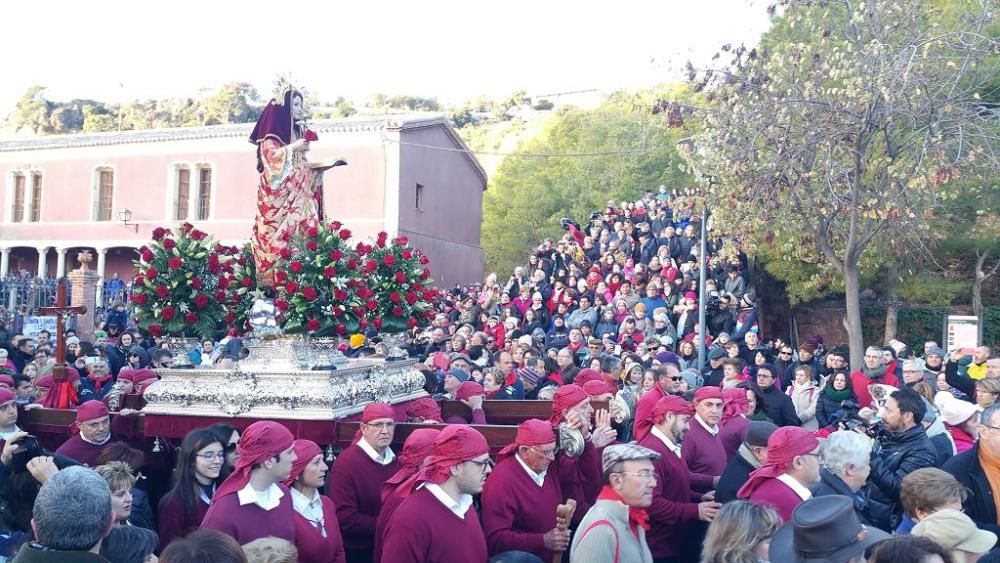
852, 420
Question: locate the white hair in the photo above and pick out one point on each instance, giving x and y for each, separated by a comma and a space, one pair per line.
845, 448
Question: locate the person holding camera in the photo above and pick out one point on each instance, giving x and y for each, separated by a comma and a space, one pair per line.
902, 449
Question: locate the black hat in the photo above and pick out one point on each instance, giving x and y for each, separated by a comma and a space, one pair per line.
758, 431
823, 530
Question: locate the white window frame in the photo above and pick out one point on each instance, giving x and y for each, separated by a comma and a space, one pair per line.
95, 191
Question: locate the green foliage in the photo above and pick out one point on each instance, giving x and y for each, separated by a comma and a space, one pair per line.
529, 194
916, 325
928, 288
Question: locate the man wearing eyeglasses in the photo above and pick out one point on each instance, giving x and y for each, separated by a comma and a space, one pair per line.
94, 422
792, 467
520, 498
435, 520
672, 512
356, 479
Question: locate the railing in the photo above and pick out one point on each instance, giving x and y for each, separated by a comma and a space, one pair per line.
22, 296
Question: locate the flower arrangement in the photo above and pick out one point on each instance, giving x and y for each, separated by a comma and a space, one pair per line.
399, 278
177, 291
318, 284
241, 284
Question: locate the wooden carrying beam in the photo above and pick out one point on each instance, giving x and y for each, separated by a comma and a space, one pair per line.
497, 436
507, 412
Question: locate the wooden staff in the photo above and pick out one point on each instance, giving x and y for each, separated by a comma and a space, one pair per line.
564, 514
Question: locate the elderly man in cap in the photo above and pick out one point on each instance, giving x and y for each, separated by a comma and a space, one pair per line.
615, 527
94, 423
750, 456
417, 447
252, 502
673, 510
356, 479
792, 467
452, 379
824, 529
713, 373
703, 451
520, 499
571, 407
435, 521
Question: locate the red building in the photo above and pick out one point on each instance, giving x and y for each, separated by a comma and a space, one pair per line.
408, 175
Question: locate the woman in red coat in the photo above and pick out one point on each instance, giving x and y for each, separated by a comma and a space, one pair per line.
198, 466
317, 532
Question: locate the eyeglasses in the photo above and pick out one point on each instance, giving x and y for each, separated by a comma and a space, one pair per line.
381, 425
783, 353
212, 456
677, 378
550, 454
230, 448
645, 474
483, 464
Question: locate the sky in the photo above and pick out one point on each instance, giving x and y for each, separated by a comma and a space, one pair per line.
113, 50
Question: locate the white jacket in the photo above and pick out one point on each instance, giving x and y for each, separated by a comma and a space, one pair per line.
804, 398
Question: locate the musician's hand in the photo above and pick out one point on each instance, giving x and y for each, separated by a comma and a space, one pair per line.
474, 402
708, 510
556, 540
603, 433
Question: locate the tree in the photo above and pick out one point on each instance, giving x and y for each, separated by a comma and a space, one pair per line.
236, 102
845, 137
32, 112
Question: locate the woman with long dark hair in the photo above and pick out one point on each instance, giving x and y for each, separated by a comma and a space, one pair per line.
199, 464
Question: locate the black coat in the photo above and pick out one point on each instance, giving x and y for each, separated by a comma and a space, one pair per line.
831, 484
978, 504
944, 448
826, 407
896, 455
734, 476
780, 408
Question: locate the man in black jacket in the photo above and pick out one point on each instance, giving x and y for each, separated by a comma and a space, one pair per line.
780, 408
902, 449
846, 465
968, 469
751, 455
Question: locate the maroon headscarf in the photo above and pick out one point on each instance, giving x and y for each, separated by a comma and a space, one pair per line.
260, 441
566, 397
62, 394
469, 389
418, 445
708, 392
425, 408
782, 447
669, 404
373, 411
457, 443
305, 452
6, 396
531, 432
734, 403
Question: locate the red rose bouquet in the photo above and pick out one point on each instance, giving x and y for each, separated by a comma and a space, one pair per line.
178, 290
239, 282
399, 277
318, 285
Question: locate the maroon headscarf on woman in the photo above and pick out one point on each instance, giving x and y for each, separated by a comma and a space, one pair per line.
305, 452
734, 403
782, 447
418, 445
260, 441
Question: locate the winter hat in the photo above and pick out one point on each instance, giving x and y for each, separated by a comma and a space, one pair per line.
529, 375
716, 354
692, 378
72, 340
936, 351
459, 374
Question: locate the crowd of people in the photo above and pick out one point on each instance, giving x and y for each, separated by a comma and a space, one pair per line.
771, 451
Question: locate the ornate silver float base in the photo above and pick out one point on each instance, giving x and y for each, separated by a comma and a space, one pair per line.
181, 346
247, 392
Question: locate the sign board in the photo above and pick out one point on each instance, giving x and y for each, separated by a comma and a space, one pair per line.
34, 325
961, 331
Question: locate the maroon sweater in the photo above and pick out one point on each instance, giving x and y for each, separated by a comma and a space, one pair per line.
173, 523
704, 455
778, 496
250, 522
423, 530
517, 512
84, 452
674, 504
389, 507
312, 546
732, 434
355, 487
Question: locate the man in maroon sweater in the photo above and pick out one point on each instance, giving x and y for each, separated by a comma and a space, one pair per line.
520, 498
792, 467
355, 481
702, 450
665, 374
675, 506
435, 523
94, 423
417, 447
253, 503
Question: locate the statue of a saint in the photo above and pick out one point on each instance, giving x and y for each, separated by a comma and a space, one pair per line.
289, 191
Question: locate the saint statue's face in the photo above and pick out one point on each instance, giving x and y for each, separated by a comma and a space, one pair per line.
297, 112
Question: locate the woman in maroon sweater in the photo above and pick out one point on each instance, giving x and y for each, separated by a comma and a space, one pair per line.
317, 533
197, 475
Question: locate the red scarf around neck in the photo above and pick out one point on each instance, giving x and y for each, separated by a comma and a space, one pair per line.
637, 517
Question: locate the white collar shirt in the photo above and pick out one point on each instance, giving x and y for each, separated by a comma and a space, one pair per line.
384, 459
457, 507
538, 478
713, 430
803, 492
268, 499
310, 508
666, 441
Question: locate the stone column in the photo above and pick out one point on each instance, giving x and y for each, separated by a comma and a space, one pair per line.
43, 255
4, 261
101, 255
60, 263
85, 283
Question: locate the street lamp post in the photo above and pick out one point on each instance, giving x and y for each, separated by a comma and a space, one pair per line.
702, 276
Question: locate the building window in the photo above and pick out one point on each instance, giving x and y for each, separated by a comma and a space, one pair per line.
183, 194
36, 198
17, 215
204, 193
105, 195
419, 197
